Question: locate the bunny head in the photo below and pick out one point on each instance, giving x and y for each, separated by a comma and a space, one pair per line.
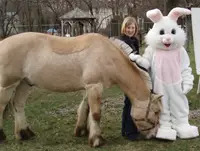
166, 34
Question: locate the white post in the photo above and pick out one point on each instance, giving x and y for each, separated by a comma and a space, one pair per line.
196, 39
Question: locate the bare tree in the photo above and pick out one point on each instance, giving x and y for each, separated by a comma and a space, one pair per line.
8, 17
27, 14
116, 5
191, 3
89, 5
58, 7
39, 14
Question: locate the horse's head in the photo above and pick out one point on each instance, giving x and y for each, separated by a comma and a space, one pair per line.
146, 115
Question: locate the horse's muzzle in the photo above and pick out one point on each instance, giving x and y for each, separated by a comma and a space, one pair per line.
146, 120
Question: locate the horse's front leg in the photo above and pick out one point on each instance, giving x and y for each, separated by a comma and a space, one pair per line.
5, 96
94, 99
82, 116
22, 131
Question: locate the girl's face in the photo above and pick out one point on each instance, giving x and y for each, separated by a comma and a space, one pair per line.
130, 30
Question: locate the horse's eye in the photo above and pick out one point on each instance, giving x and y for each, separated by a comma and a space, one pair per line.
173, 31
162, 32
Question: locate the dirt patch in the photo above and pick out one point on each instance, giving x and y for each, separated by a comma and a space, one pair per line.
194, 114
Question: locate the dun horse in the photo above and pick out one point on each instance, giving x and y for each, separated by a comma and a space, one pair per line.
90, 62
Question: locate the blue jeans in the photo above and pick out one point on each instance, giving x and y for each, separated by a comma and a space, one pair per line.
129, 128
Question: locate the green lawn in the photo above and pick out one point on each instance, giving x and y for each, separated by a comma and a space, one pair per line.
52, 117
192, 96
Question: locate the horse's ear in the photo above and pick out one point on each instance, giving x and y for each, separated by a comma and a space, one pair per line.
156, 97
154, 15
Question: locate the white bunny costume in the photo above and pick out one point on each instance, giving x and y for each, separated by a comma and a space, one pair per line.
171, 75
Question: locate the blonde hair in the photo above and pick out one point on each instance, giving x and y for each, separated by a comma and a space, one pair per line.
128, 21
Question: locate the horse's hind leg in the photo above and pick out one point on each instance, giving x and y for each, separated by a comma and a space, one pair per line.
94, 99
22, 130
5, 96
82, 116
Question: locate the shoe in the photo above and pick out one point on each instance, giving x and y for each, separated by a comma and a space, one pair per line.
187, 131
166, 133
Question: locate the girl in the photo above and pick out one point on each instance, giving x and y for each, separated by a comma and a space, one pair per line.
129, 31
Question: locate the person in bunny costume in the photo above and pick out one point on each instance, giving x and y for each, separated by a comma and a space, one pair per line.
168, 63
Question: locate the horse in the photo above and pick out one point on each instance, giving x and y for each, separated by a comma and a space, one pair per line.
89, 62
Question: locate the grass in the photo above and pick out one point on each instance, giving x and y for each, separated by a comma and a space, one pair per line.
52, 117
192, 96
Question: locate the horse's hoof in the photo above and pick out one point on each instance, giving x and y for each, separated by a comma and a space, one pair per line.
96, 141
80, 131
26, 134
2, 136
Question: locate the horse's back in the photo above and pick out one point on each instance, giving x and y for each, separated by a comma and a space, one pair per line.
61, 64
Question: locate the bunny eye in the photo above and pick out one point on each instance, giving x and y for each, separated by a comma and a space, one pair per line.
173, 31
162, 32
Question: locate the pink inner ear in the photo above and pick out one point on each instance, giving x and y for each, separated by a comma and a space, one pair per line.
155, 15
175, 15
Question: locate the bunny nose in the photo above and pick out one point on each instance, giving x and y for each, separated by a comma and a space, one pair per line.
167, 40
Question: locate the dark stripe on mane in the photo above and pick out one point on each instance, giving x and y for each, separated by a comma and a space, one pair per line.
140, 66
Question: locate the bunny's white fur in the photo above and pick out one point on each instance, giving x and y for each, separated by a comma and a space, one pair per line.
171, 74
155, 40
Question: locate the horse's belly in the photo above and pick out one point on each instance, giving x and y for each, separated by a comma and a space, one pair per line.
55, 75
60, 82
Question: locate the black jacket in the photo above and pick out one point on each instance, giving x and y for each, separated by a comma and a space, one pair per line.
132, 42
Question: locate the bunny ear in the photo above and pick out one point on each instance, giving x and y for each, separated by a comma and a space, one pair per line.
175, 13
155, 15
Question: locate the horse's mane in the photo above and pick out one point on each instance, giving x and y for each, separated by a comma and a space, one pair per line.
125, 49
